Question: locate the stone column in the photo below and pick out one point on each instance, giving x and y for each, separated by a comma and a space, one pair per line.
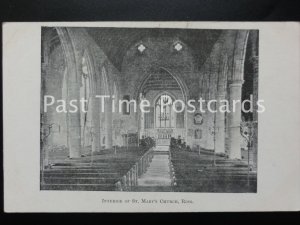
234, 119
220, 126
142, 123
141, 120
255, 116
73, 84
253, 38
108, 123
73, 121
96, 144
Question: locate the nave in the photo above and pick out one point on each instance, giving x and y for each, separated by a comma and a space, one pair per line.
156, 168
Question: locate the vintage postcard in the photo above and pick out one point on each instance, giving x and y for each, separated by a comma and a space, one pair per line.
151, 117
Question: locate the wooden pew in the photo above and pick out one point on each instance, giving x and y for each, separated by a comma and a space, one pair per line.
101, 172
197, 173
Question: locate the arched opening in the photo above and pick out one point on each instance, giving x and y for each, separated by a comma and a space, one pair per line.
162, 122
54, 127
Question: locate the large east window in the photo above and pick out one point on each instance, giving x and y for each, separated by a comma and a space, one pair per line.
164, 115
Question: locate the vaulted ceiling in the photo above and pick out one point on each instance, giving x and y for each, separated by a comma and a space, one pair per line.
159, 81
116, 41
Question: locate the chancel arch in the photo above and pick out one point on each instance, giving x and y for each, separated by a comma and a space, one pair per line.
162, 122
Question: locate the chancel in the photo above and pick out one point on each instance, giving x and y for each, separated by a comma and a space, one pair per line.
167, 148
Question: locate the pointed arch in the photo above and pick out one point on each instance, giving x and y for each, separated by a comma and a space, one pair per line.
181, 84
239, 55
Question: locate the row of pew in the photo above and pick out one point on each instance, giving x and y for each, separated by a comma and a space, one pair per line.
206, 172
107, 170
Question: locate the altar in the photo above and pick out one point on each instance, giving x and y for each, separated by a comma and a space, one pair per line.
163, 136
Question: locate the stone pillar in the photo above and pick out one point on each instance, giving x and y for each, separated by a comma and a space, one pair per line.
96, 144
220, 126
142, 124
73, 120
73, 84
108, 123
234, 119
253, 41
255, 116
141, 120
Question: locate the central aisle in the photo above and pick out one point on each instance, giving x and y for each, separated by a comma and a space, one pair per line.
157, 176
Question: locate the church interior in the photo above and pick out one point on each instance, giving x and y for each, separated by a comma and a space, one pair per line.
161, 150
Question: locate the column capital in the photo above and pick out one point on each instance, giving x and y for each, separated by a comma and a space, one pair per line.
236, 83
